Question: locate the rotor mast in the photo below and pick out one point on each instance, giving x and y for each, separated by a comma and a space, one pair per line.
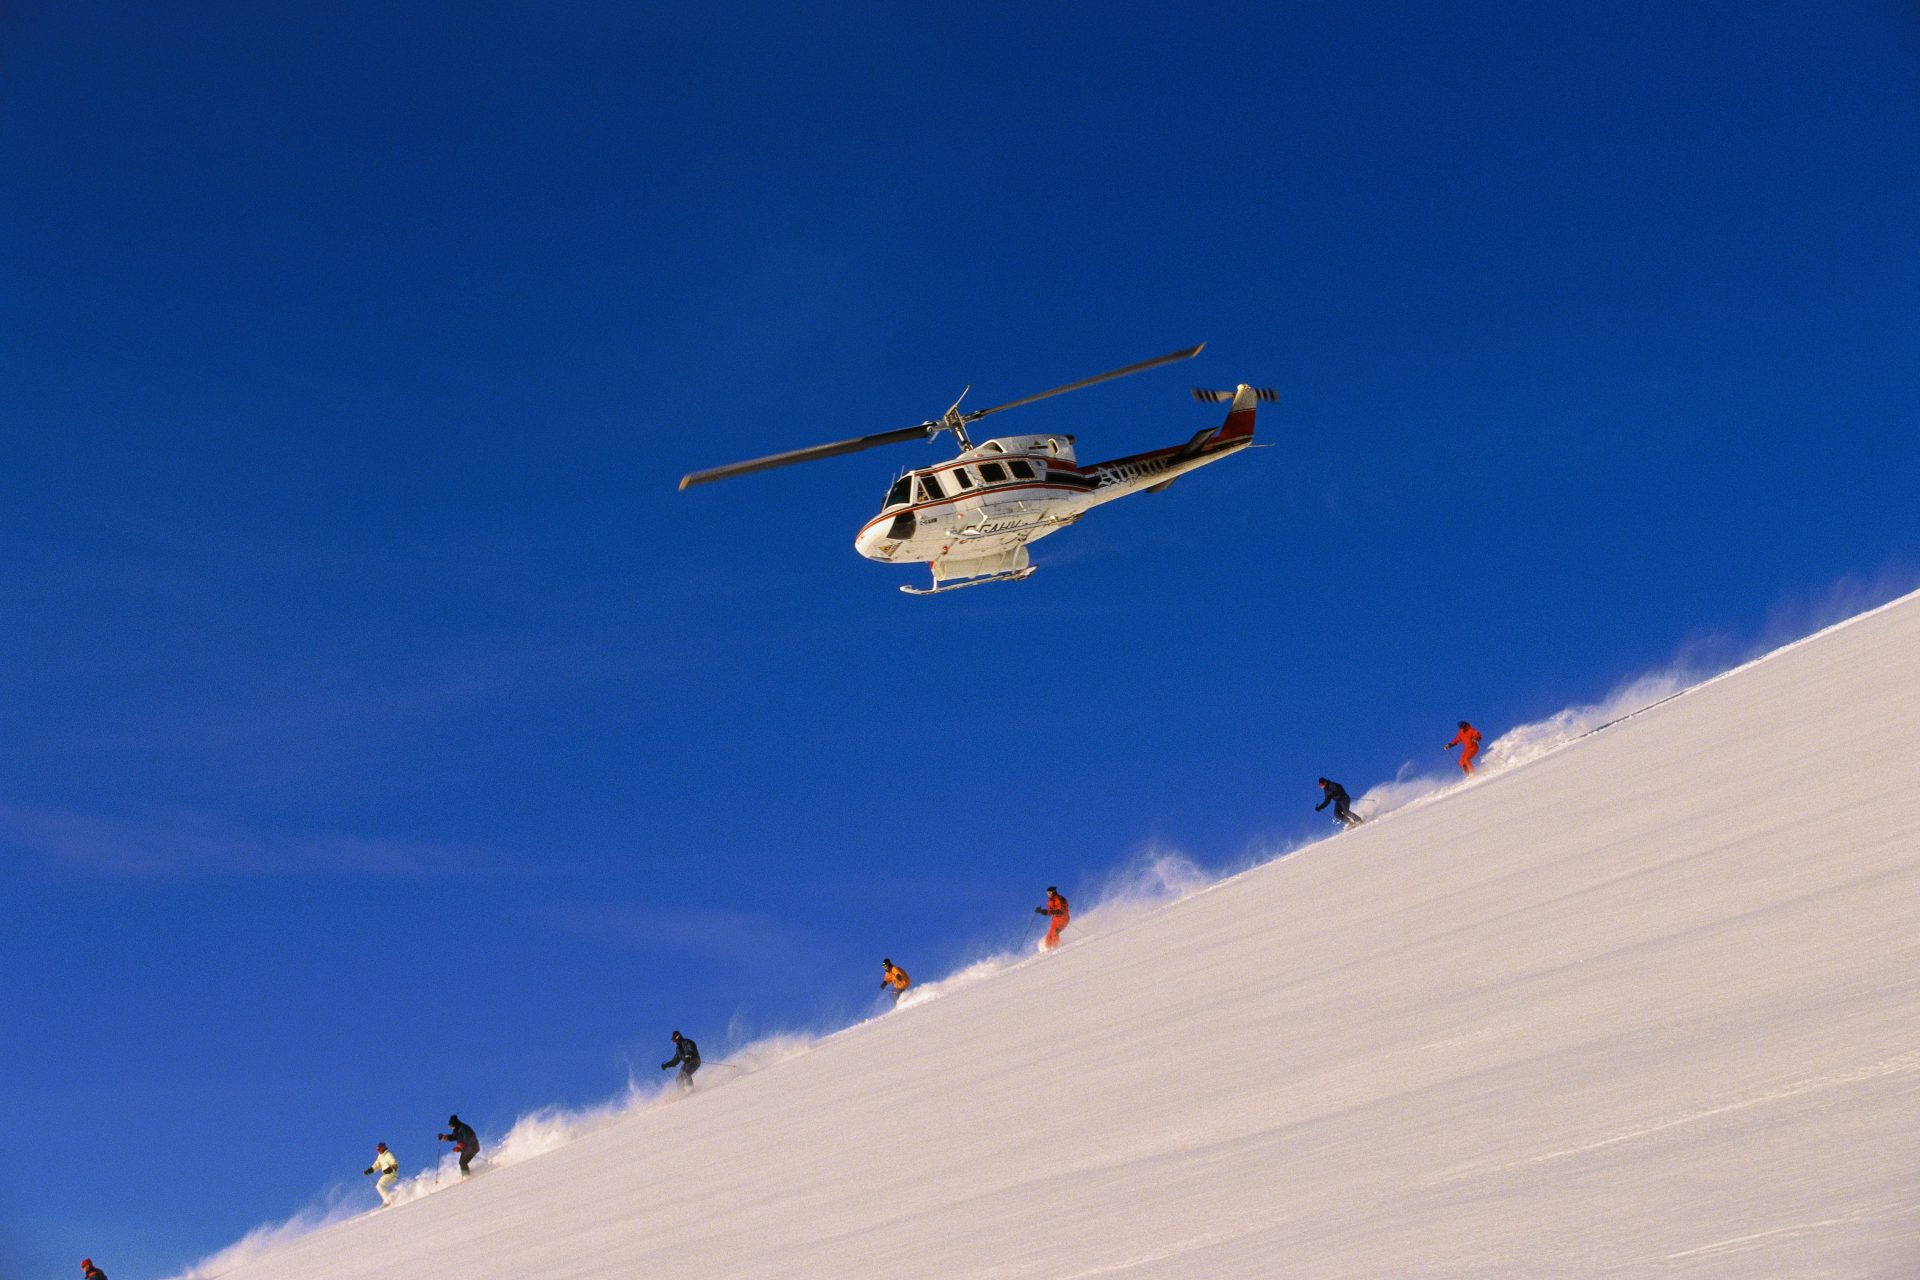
952, 421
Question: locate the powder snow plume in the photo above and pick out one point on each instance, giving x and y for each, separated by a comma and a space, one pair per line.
264, 1240
531, 1135
1154, 877
1528, 742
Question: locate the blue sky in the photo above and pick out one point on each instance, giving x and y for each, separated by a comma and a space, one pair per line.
383, 735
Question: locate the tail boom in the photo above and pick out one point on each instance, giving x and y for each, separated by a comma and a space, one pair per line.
1159, 468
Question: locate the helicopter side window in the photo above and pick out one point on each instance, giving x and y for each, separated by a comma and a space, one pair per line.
1021, 470
932, 488
961, 478
992, 473
901, 491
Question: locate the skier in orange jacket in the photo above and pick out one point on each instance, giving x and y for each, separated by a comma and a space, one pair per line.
1468, 740
892, 975
1057, 908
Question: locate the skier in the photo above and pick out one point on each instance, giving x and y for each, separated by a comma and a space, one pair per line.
686, 1056
464, 1140
1468, 740
892, 975
387, 1167
1337, 797
90, 1272
1057, 908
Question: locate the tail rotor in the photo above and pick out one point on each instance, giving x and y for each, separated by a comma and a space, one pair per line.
1207, 396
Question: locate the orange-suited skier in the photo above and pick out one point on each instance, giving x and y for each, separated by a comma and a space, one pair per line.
1057, 908
1468, 740
892, 975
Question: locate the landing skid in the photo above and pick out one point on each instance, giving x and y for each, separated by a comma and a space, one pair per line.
1013, 576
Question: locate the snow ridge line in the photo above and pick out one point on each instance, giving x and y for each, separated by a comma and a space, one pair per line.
1524, 744
1750, 662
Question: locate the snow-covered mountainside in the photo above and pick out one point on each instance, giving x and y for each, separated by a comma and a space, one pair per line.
1646, 1006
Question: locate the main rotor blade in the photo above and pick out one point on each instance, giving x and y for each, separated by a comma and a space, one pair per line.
792, 456
1144, 365
924, 431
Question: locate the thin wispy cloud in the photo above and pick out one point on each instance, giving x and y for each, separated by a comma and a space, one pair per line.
276, 661
188, 843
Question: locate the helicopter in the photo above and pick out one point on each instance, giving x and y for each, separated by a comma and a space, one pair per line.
970, 519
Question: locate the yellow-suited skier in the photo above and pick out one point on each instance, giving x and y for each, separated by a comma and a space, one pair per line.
387, 1167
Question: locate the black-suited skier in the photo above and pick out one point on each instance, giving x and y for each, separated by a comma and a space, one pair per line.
464, 1140
686, 1056
1337, 797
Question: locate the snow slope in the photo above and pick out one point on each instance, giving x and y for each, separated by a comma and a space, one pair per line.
1645, 1006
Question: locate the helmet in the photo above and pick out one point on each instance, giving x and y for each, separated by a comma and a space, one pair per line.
1323, 782
454, 1119
676, 1035
884, 960
1465, 725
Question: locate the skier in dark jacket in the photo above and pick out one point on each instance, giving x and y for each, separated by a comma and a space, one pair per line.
686, 1056
90, 1272
1337, 797
464, 1140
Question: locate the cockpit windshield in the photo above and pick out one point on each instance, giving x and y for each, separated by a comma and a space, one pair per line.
901, 491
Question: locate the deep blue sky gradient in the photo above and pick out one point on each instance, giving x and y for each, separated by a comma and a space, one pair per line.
380, 732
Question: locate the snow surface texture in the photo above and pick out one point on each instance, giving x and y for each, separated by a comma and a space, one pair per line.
1642, 1002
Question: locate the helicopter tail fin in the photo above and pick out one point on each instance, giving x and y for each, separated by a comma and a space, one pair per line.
1238, 426
1239, 423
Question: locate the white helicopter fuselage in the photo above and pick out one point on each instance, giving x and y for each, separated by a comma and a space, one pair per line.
972, 517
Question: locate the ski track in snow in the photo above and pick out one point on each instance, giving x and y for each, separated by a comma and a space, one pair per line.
1431, 902
1906, 1064
1794, 1229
